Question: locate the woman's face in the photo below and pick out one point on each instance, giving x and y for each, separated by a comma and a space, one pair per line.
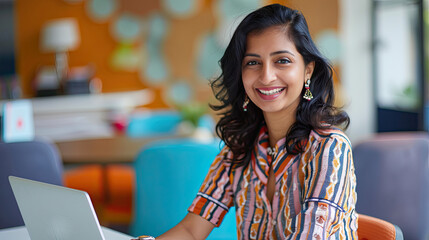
273, 71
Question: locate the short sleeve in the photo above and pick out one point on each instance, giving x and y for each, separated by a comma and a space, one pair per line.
215, 195
329, 192
330, 173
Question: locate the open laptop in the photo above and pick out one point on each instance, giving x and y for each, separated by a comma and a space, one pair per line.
52, 212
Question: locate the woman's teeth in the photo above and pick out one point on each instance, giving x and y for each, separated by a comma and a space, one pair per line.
270, 92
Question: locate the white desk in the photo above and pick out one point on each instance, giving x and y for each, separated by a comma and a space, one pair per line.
20, 233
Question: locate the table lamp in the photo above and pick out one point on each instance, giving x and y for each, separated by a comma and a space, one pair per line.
60, 36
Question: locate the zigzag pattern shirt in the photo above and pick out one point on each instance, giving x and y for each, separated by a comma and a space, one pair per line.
315, 191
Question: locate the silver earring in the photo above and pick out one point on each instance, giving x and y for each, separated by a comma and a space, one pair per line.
245, 103
308, 95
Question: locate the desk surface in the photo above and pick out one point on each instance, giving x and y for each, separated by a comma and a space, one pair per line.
20, 233
119, 149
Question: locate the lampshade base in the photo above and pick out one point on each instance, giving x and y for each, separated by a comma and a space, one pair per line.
61, 66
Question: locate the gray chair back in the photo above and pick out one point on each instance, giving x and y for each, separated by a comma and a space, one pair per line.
393, 180
37, 160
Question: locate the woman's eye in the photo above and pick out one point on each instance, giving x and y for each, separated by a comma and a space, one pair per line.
251, 63
283, 61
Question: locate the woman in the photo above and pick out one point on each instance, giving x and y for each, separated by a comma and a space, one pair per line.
286, 167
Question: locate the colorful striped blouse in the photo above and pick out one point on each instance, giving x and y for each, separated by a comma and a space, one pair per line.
315, 191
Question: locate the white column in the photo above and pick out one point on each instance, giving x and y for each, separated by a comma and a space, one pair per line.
355, 34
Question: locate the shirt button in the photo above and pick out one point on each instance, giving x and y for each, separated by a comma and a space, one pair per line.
276, 193
274, 222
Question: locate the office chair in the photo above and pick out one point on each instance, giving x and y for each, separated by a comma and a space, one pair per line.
371, 228
89, 178
393, 180
168, 176
36, 160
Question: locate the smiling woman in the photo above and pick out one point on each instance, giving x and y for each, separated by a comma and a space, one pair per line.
286, 166
278, 54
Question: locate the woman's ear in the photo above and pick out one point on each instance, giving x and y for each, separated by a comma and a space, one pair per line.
309, 68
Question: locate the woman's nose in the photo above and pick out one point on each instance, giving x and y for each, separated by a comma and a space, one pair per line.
268, 74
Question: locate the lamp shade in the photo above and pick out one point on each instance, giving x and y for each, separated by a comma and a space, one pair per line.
60, 35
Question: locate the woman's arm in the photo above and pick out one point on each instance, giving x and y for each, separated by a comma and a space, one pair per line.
191, 227
328, 210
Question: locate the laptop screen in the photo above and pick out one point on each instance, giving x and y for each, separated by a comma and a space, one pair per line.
53, 212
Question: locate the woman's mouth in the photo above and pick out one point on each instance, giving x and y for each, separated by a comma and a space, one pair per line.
270, 93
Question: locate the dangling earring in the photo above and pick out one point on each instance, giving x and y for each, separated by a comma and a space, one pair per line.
308, 95
245, 103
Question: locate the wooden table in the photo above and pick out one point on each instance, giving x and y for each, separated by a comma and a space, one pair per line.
118, 149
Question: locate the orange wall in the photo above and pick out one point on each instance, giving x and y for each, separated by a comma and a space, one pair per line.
97, 44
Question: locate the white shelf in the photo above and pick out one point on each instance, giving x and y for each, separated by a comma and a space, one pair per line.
117, 101
92, 102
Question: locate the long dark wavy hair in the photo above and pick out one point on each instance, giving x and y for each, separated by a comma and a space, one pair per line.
238, 129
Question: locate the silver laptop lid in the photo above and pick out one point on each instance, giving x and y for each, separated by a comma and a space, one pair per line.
53, 212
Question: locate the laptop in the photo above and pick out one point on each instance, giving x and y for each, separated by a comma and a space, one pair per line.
52, 212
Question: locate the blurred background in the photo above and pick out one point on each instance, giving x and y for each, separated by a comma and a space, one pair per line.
92, 68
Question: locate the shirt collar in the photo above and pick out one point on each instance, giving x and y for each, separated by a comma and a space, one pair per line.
261, 160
